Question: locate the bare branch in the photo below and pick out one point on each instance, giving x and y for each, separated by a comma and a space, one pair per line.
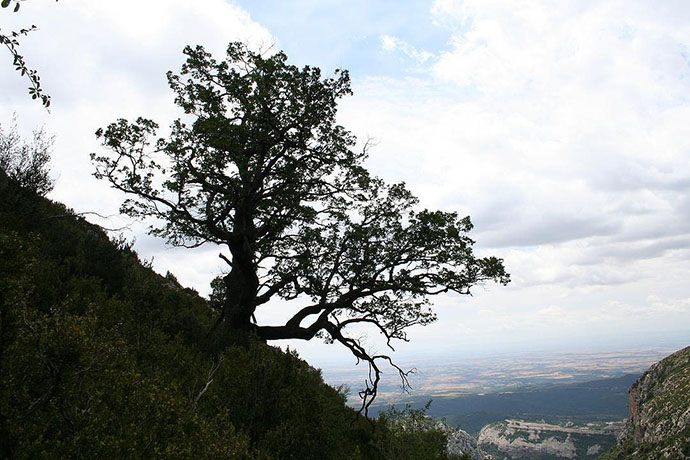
92, 213
215, 365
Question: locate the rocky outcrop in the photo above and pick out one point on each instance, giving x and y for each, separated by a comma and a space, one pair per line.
460, 442
512, 442
593, 450
658, 425
529, 440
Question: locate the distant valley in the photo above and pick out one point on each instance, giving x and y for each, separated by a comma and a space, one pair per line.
580, 403
536, 405
507, 372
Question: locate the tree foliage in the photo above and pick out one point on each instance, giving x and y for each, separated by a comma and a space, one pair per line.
262, 169
409, 433
11, 41
27, 163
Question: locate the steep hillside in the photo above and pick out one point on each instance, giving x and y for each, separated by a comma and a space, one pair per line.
100, 357
658, 426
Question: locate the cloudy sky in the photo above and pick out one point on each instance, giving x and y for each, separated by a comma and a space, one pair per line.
561, 128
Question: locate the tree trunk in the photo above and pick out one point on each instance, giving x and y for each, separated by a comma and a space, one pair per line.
239, 299
241, 287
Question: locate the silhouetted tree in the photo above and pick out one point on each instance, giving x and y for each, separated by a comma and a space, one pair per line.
264, 171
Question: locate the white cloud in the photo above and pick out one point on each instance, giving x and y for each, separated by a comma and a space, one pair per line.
390, 43
560, 128
557, 128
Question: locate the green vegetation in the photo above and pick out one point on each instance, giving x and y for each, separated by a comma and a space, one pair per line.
26, 162
100, 357
658, 425
675, 446
410, 433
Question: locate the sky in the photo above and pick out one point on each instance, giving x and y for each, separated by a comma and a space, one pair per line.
559, 127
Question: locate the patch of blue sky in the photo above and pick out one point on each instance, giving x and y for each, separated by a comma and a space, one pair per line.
337, 34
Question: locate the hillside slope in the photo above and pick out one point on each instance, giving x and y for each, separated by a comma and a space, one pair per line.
100, 357
658, 426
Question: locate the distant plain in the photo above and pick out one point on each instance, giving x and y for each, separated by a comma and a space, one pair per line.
471, 392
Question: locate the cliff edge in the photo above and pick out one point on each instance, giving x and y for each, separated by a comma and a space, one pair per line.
658, 425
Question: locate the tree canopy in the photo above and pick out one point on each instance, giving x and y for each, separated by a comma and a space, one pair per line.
260, 167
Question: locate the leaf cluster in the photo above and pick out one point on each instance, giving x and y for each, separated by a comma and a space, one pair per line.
11, 42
